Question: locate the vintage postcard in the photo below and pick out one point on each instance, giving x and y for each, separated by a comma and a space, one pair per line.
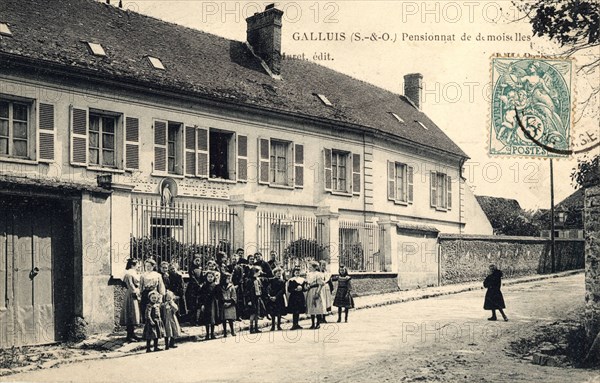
299, 191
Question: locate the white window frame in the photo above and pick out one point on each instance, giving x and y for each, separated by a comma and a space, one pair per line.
274, 169
335, 172
177, 148
31, 132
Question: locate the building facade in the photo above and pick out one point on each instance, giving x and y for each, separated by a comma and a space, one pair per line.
150, 139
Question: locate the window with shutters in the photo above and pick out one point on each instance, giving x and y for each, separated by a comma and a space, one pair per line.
222, 154
441, 191
400, 183
280, 163
342, 172
16, 138
174, 148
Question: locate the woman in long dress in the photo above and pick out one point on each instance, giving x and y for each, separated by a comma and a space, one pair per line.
315, 305
130, 311
150, 281
493, 296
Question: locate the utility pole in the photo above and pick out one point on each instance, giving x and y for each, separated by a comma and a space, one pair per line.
552, 237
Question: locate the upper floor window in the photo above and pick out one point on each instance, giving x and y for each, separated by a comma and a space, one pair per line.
342, 171
15, 135
222, 154
400, 182
174, 141
441, 191
102, 140
98, 138
281, 163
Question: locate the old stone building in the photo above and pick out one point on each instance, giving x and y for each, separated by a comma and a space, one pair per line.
119, 131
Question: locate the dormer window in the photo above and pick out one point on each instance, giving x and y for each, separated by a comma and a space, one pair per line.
96, 49
5, 30
156, 63
324, 99
397, 117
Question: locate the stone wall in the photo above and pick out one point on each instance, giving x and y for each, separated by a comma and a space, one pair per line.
592, 262
466, 258
373, 283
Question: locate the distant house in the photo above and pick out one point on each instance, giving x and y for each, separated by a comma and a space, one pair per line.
568, 214
122, 135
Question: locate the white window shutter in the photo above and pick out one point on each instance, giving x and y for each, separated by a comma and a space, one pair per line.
160, 146
327, 169
264, 160
132, 143
449, 205
79, 136
242, 158
298, 165
202, 155
356, 173
410, 182
190, 150
433, 183
391, 180
46, 133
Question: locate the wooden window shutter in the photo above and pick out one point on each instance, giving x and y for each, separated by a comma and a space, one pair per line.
449, 205
46, 133
264, 160
410, 176
327, 170
160, 146
433, 191
190, 150
132, 143
202, 145
242, 158
356, 184
79, 136
391, 176
298, 165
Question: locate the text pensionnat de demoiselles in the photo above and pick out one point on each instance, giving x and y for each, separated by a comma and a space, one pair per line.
404, 36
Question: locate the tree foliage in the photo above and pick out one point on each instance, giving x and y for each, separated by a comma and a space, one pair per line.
587, 172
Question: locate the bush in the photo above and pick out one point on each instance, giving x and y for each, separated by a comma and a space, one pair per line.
353, 257
303, 251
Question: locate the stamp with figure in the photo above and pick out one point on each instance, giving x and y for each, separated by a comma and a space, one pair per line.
531, 107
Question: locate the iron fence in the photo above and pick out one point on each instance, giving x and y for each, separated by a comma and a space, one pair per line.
178, 232
359, 246
297, 239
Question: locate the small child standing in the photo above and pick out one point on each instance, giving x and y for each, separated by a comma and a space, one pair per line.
255, 304
169, 311
276, 298
154, 327
343, 296
229, 312
209, 305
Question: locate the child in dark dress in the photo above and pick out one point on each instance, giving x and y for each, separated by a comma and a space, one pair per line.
343, 296
228, 309
255, 304
493, 296
153, 327
276, 298
296, 286
209, 305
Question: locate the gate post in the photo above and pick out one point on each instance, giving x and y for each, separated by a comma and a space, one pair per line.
245, 223
388, 245
330, 230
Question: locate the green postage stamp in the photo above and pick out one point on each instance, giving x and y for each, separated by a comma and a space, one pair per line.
531, 111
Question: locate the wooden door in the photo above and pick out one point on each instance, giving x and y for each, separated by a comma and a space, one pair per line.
28, 312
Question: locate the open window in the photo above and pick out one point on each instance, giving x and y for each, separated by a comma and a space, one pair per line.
222, 154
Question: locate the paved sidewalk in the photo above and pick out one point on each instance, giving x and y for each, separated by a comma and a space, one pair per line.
114, 345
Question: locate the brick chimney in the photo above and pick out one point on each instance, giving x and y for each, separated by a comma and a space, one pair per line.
413, 88
263, 33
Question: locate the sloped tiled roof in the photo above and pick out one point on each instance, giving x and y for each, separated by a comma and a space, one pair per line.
56, 31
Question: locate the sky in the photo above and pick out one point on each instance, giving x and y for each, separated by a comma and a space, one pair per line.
401, 40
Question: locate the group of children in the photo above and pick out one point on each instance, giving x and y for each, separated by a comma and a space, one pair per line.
230, 290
